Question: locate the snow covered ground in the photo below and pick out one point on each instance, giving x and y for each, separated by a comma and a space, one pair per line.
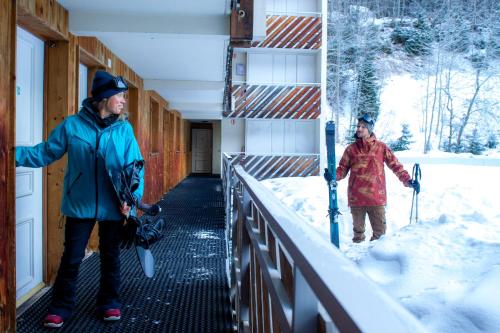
445, 269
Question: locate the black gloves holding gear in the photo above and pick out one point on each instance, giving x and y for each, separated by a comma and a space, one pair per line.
414, 184
329, 178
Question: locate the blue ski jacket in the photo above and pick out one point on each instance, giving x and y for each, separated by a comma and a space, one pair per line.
92, 152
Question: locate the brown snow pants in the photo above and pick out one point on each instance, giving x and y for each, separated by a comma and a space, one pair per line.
376, 214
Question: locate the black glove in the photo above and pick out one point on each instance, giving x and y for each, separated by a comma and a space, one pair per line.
129, 231
415, 185
327, 175
329, 178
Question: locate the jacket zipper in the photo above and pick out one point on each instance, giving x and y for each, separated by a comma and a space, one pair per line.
73, 183
98, 138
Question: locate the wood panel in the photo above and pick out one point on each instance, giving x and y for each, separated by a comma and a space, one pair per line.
242, 24
7, 166
92, 52
46, 19
167, 139
186, 161
172, 146
60, 94
154, 157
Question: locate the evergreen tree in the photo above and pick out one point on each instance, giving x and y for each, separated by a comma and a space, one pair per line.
460, 33
492, 141
351, 135
416, 40
368, 89
404, 141
475, 145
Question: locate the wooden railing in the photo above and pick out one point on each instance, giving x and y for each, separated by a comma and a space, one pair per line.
286, 278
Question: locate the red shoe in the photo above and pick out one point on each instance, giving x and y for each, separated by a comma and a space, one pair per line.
112, 314
53, 321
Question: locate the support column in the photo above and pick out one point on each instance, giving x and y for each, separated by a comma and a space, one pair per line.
60, 93
7, 166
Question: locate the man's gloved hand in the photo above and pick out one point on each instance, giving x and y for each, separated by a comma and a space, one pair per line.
129, 231
329, 178
414, 184
327, 175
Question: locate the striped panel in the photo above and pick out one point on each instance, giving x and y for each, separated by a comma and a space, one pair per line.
275, 101
292, 32
274, 166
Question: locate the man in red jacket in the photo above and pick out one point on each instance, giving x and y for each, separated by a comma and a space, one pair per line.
366, 192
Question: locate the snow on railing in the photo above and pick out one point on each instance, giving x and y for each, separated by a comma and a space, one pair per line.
286, 278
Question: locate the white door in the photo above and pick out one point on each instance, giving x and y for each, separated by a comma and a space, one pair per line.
29, 131
202, 150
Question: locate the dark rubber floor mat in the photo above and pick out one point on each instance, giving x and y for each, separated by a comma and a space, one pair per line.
189, 291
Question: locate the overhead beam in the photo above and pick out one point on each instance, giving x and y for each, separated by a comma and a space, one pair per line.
201, 115
208, 107
91, 23
184, 85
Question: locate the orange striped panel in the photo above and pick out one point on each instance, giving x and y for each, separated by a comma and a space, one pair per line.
275, 101
292, 32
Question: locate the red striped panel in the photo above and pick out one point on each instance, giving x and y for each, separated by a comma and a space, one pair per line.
275, 166
292, 32
275, 101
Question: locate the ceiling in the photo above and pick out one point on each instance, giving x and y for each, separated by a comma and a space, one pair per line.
177, 46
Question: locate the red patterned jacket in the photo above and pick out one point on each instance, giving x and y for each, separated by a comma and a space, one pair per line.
365, 159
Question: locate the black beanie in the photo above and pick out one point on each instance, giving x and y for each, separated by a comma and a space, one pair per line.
104, 86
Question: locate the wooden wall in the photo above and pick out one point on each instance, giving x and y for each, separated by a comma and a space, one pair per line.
7, 166
167, 166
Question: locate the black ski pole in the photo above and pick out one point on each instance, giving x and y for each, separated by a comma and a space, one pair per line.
416, 176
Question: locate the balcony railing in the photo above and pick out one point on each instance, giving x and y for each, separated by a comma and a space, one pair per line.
292, 32
285, 278
293, 101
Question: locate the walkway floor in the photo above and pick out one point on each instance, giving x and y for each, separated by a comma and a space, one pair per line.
188, 293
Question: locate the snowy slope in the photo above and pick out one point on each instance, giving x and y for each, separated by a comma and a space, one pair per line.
445, 269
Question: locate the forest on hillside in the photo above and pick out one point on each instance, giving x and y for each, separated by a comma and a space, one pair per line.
446, 44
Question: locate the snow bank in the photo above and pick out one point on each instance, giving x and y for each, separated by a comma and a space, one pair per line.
445, 269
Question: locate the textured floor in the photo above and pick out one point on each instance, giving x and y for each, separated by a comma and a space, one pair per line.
189, 292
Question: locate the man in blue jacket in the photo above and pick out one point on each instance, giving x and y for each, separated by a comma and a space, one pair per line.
97, 139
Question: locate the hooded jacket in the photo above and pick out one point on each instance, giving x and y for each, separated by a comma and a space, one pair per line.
92, 151
365, 159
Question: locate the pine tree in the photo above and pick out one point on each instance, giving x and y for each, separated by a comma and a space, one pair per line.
404, 141
416, 39
368, 102
492, 141
351, 135
475, 145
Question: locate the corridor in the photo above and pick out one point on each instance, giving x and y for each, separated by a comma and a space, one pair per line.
189, 291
